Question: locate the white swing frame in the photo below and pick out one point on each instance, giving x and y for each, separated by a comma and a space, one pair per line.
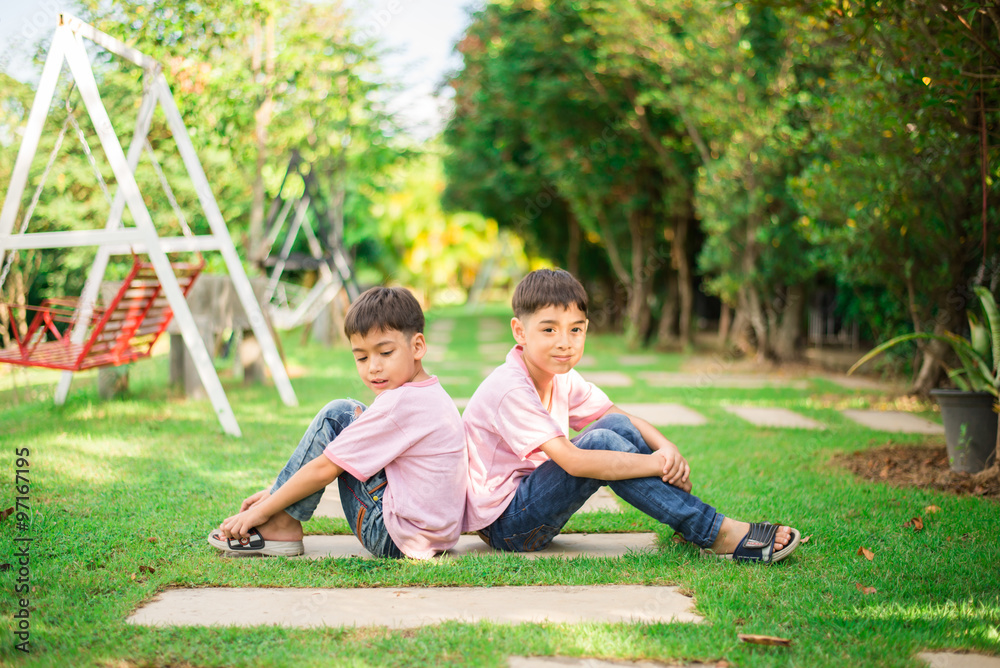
68, 46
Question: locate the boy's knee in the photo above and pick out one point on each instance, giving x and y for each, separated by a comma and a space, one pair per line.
606, 439
343, 407
618, 423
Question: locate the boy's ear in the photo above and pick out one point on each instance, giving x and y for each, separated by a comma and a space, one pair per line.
517, 329
419, 345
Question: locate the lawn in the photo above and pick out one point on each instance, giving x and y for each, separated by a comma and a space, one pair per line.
123, 492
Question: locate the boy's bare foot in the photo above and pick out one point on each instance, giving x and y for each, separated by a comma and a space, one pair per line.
732, 532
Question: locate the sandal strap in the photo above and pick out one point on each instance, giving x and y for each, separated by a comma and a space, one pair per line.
761, 534
252, 542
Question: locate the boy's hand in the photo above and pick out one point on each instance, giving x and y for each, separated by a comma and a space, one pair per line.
253, 500
239, 526
676, 470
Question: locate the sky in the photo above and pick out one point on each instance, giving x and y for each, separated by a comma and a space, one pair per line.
419, 35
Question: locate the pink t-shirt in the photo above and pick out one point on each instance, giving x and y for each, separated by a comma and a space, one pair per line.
414, 432
505, 423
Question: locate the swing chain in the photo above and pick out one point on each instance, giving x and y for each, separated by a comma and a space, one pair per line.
9, 261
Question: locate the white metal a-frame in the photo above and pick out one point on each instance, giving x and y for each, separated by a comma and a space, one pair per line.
68, 46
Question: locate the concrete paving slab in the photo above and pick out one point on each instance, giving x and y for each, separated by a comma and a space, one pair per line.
435, 354
449, 381
411, 607
956, 660
774, 417
603, 500
587, 662
566, 546
587, 361
608, 378
698, 380
896, 421
638, 360
495, 351
665, 415
329, 505
495, 335
441, 325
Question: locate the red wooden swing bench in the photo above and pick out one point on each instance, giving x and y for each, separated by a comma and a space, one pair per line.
121, 332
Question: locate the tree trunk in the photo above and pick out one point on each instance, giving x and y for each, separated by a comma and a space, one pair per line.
665, 337
788, 332
725, 322
639, 320
685, 288
573, 252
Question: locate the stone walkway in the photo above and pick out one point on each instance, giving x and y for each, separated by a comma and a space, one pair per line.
574, 662
411, 607
895, 421
956, 660
773, 417
709, 379
566, 546
665, 415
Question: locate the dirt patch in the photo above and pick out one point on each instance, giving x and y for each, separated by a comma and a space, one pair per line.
920, 466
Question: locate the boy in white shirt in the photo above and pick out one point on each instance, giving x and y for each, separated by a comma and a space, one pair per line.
527, 477
400, 464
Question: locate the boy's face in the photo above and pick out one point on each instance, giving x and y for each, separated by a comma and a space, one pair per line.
388, 359
552, 338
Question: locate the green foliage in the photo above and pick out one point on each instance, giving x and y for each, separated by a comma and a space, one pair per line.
979, 354
319, 89
441, 254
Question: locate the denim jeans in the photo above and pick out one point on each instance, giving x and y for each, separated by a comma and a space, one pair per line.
362, 501
548, 497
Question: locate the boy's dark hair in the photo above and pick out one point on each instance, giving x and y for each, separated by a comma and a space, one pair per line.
382, 309
548, 287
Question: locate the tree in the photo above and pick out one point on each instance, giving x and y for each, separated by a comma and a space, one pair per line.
536, 115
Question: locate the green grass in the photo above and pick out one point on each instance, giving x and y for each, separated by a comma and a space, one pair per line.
125, 491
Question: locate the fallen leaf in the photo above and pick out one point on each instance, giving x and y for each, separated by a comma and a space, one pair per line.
4, 514
806, 539
865, 590
153, 539
4, 567
917, 524
146, 569
965, 537
866, 553
932, 509
764, 640
679, 539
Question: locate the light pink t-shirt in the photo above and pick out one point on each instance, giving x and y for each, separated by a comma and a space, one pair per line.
505, 423
414, 432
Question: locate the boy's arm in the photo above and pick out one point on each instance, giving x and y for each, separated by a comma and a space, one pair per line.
678, 472
311, 478
603, 464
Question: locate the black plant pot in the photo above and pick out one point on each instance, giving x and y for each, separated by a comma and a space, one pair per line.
970, 428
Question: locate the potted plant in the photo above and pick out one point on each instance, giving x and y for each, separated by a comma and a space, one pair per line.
970, 419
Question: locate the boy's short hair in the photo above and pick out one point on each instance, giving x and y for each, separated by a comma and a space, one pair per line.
548, 287
382, 309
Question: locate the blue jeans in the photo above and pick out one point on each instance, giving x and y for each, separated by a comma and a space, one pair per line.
362, 501
548, 497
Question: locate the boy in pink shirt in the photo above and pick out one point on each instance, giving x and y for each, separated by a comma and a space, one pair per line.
400, 464
526, 477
